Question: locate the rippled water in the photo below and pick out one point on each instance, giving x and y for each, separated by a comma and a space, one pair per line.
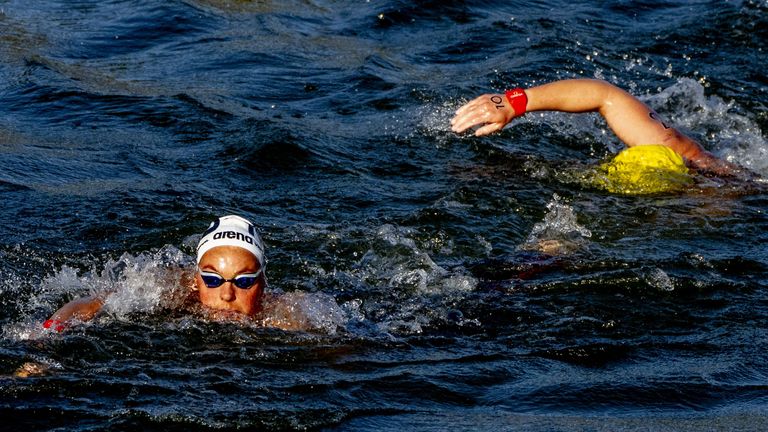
414, 252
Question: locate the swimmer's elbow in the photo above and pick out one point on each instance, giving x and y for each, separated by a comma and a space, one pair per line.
684, 146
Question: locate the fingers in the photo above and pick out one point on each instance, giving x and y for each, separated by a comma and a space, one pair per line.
468, 120
473, 104
488, 111
473, 113
489, 129
477, 105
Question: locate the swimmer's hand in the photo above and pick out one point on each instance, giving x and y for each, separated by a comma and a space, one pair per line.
31, 369
82, 309
490, 111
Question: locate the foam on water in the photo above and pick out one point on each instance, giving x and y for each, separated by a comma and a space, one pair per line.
434, 120
397, 288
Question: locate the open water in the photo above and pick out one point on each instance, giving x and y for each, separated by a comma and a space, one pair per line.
127, 126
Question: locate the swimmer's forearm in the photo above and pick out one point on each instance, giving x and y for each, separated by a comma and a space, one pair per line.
82, 309
630, 119
573, 96
492, 111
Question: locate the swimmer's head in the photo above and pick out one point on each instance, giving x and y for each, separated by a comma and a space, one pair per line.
232, 231
230, 267
644, 169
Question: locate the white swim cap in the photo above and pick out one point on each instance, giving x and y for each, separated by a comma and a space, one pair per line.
231, 231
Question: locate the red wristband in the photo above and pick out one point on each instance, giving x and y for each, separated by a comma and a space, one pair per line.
518, 99
56, 324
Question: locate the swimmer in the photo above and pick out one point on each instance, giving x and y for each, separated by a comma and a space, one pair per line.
229, 281
630, 119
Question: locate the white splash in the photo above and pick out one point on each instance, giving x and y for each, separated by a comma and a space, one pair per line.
305, 311
140, 283
725, 128
408, 266
559, 232
660, 280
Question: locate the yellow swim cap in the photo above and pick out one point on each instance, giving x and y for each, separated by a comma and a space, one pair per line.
644, 169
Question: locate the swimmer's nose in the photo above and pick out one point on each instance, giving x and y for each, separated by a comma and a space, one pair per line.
227, 292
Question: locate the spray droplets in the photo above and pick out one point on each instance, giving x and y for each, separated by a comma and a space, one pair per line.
559, 232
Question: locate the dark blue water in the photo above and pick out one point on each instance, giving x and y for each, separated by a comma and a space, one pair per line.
128, 125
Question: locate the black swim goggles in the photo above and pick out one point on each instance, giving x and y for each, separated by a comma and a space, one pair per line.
242, 281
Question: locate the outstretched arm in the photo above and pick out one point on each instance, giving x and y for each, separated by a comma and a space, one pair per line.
629, 118
81, 309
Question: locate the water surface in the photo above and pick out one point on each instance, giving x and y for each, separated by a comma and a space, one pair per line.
128, 126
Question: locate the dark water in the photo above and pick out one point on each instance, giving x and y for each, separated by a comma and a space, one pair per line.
128, 125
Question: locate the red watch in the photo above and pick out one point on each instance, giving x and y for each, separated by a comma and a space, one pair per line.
518, 99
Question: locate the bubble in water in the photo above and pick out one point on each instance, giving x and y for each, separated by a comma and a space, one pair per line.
395, 283
408, 266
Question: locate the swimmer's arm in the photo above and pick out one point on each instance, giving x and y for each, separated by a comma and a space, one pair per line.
82, 309
629, 118
634, 122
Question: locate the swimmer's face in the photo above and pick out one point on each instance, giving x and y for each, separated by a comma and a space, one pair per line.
229, 262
